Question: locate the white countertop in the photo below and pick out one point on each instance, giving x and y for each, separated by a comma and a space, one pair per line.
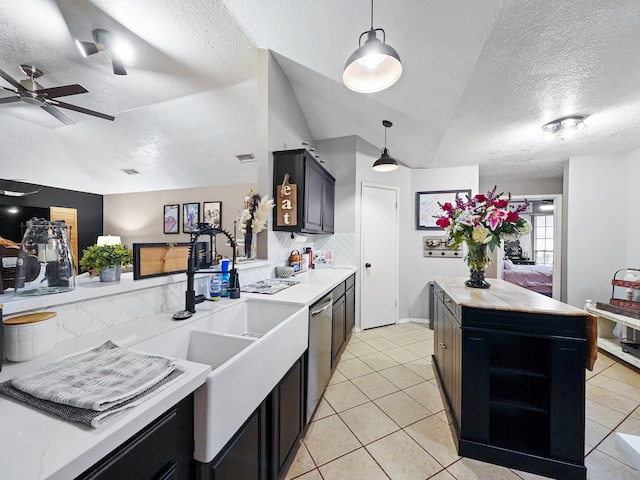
313, 285
37, 445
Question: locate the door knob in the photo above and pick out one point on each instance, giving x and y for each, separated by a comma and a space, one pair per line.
367, 265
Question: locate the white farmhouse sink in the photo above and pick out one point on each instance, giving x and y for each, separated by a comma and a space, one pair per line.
250, 346
251, 317
214, 349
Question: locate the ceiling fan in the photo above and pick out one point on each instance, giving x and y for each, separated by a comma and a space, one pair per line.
30, 91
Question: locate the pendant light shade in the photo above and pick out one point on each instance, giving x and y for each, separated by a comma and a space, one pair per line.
374, 66
385, 163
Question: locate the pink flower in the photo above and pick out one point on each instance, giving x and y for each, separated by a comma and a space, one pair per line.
502, 203
447, 207
480, 198
512, 217
495, 218
443, 222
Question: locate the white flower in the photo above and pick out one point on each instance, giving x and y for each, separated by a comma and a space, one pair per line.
479, 234
525, 228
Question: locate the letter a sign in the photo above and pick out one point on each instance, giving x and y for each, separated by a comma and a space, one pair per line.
287, 206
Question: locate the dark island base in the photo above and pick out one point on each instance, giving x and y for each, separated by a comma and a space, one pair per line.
525, 462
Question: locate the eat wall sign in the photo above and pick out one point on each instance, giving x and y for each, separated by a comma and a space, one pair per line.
287, 203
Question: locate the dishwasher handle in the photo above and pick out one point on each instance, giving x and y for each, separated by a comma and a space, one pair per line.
322, 309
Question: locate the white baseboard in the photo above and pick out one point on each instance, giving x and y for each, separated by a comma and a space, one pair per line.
414, 320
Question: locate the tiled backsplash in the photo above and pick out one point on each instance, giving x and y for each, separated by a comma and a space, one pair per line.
341, 245
86, 316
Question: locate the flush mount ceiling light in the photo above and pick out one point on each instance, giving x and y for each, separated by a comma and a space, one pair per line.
374, 66
566, 127
104, 40
385, 163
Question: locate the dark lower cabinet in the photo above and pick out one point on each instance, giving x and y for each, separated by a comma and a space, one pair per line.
350, 305
245, 456
162, 451
338, 330
287, 417
344, 317
513, 382
265, 445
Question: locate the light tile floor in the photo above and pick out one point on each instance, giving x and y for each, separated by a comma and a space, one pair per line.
382, 417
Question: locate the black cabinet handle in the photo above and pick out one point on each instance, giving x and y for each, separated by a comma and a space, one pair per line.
367, 265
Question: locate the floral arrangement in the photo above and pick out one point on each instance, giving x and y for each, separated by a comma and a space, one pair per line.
255, 213
483, 219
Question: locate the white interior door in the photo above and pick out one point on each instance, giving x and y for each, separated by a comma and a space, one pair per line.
380, 255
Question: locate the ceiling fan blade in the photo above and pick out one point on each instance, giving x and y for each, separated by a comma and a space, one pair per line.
82, 110
63, 91
57, 113
9, 79
9, 99
118, 67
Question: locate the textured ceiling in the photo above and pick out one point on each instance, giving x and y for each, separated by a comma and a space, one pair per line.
480, 79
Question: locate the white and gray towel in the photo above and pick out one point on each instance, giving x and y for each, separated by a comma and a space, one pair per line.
83, 415
105, 380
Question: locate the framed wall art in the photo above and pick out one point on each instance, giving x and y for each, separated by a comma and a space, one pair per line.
171, 218
212, 214
428, 206
190, 216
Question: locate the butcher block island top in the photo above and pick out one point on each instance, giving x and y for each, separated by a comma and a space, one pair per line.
504, 296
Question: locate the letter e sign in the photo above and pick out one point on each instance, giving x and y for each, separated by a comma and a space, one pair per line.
287, 203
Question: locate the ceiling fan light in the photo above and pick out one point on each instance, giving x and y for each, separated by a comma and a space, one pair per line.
373, 67
105, 40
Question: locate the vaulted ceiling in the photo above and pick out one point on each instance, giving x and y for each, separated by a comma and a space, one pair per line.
480, 79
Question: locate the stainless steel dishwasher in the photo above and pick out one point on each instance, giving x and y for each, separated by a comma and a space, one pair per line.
319, 356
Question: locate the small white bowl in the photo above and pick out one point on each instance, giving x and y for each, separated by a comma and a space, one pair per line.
27, 341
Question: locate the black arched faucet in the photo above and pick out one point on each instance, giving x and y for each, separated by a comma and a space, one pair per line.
190, 294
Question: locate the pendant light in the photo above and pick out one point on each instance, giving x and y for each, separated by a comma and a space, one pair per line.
385, 163
374, 66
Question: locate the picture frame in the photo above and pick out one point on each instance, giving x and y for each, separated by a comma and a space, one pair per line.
171, 218
428, 206
190, 216
212, 214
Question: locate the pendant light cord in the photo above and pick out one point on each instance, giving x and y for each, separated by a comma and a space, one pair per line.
371, 14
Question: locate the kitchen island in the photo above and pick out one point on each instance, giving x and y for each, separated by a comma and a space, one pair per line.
37, 445
511, 367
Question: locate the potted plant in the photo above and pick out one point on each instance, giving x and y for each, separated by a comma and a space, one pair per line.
106, 259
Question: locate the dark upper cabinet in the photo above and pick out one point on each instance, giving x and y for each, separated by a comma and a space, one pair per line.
304, 193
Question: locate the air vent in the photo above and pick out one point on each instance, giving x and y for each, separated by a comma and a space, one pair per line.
246, 157
130, 171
